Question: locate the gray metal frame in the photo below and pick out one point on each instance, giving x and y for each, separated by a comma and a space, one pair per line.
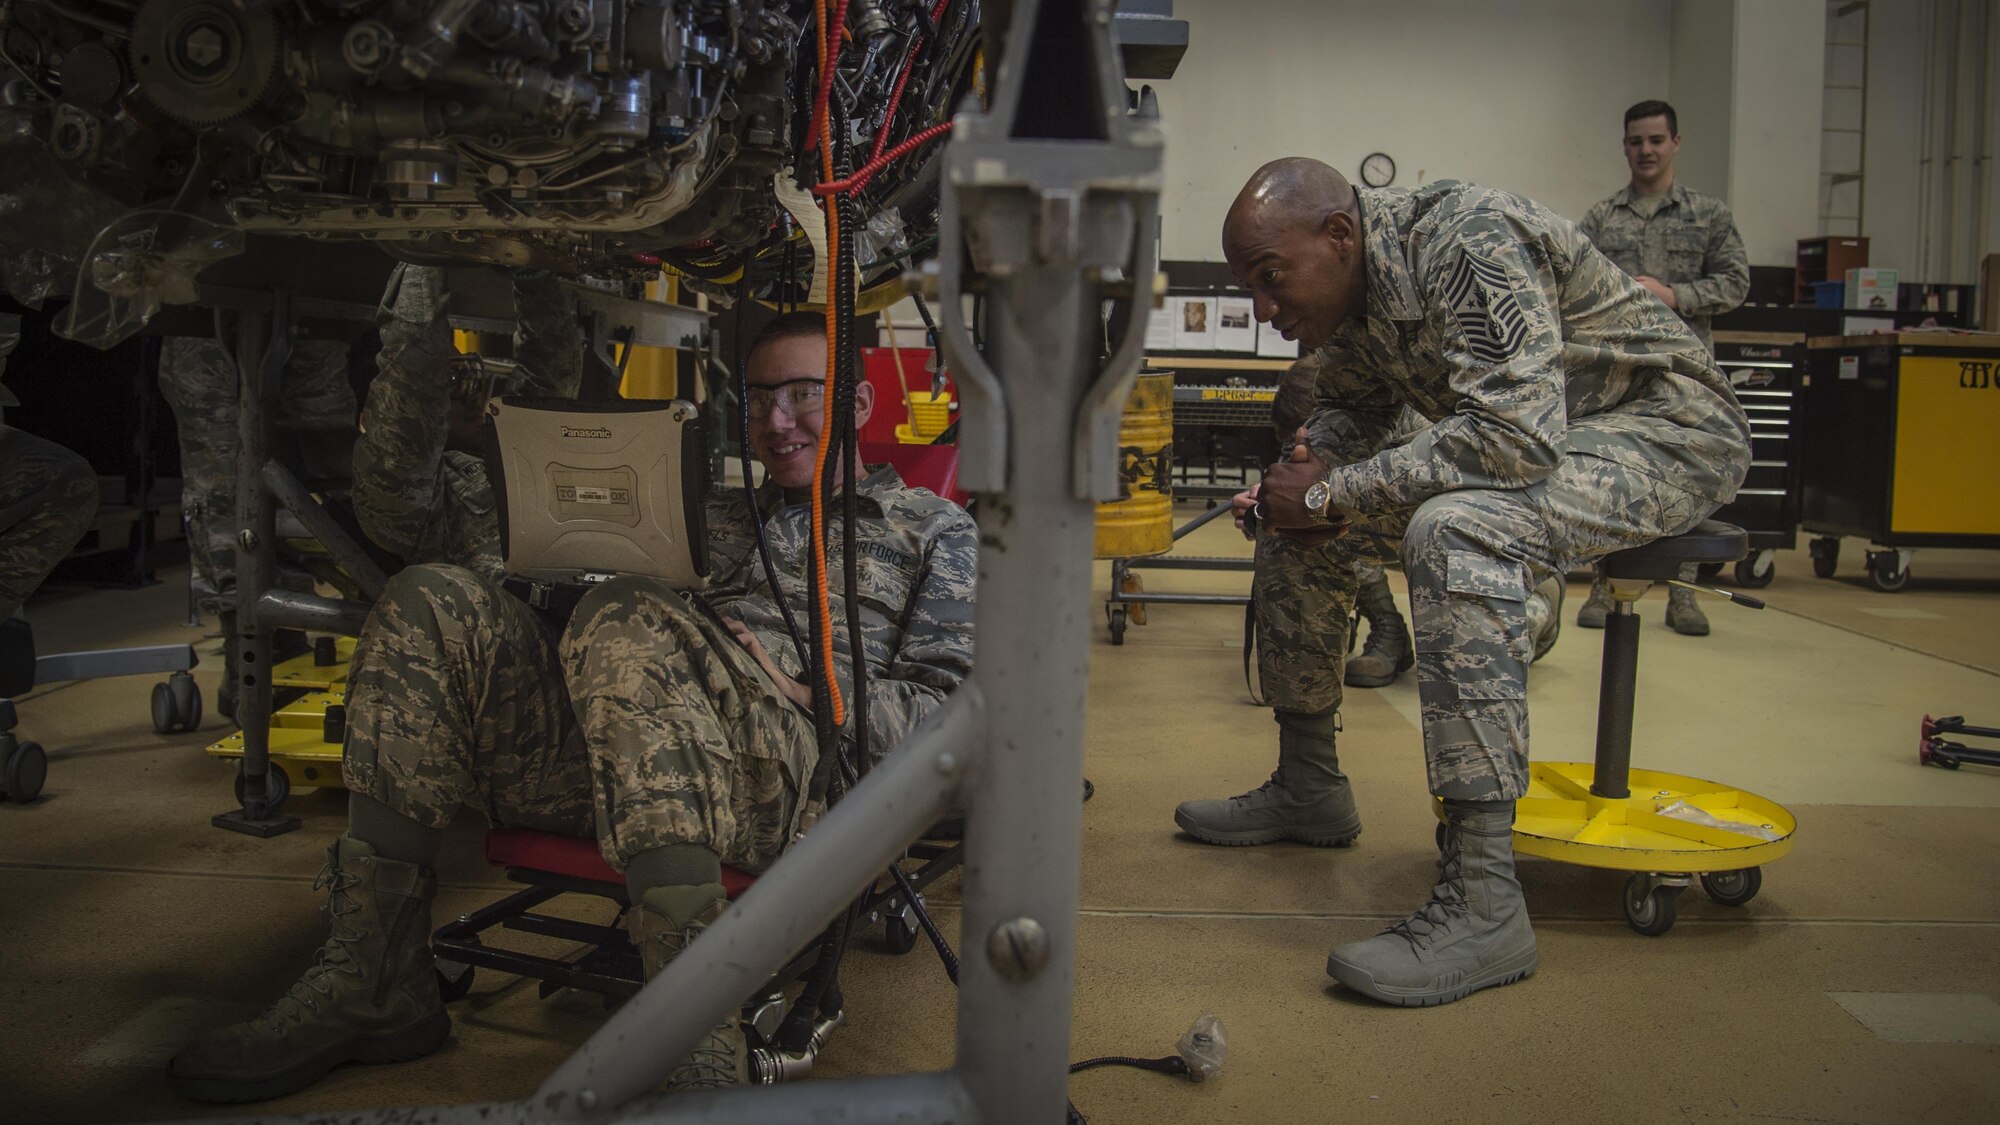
1054, 228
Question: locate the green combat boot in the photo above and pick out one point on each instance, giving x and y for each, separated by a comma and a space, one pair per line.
1472, 934
371, 995
1308, 799
1595, 610
1389, 651
663, 923
1684, 613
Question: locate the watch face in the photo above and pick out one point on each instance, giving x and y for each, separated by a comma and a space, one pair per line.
1317, 496
1377, 170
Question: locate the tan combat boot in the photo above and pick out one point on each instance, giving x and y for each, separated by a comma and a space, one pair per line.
371, 995
1472, 934
1307, 800
663, 923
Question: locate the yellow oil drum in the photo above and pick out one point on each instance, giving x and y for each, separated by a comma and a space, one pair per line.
1141, 521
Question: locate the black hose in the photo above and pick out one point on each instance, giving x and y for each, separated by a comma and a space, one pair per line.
1171, 1064
749, 478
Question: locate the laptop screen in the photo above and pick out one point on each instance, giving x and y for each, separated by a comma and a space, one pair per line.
589, 491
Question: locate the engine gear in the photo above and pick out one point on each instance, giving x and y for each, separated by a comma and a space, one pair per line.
204, 62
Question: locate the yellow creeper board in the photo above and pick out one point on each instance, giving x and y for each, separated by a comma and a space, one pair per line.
298, 740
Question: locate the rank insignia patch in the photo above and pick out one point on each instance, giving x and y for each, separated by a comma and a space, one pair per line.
1481, 299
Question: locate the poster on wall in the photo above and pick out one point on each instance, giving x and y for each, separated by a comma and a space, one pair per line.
1160, 323
1235, 330
1195, 330
1274, 346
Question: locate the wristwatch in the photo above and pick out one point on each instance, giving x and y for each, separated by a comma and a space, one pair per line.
1318, 496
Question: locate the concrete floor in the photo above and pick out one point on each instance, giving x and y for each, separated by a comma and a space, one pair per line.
1860, 987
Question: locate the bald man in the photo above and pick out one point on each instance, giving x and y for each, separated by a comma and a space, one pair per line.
1571, 415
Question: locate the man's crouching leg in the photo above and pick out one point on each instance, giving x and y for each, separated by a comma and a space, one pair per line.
454, 685
696, 759
1473, 651
1304, 600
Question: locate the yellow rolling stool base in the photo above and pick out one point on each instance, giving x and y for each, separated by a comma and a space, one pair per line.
1667, 829
1670, 831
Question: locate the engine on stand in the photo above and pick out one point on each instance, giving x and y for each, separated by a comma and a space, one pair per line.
599, 136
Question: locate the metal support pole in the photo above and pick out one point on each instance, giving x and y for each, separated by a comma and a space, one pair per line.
1617, 684
787, 908
347, 554
263, 343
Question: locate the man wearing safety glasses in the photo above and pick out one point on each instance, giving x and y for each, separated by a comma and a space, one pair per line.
680, 737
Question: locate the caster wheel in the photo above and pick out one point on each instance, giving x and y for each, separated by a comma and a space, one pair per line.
1649, 909
898, 935
27, 767
1885, 572
1751, 578
176, 704
279, 782
1825, 556
1115, 616
1733, 888
1708, 571
454, 980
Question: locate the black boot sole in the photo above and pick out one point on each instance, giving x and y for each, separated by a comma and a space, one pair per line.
1443, 990
1318, 836
414, 1042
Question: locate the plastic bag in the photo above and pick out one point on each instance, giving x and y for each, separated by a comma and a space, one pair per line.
1682, 811
144, 260
1204, 1047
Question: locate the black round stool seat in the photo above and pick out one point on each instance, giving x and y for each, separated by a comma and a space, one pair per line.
1711, 541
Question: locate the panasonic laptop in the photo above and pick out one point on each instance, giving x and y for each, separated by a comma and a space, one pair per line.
589, 491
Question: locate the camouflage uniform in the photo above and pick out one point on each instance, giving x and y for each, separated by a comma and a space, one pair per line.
1690, 243
1572, 417
1304, 595
690, 740
458, 691
414, 497
48, 498
200, 382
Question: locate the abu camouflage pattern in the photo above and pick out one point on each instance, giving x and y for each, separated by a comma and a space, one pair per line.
689, 741
915, 565
1690, 242
461, 694
413, 496
199, 380
1601, 424
455, 697
48, 499
1597, 346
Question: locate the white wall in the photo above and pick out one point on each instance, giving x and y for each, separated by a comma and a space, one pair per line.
1904, 214
1526, 96
1889, 218
1701, 85
1780, 59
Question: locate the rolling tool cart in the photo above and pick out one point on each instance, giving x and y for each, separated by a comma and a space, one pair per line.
1668, 830
1902, 451
1235, 401
1765, 369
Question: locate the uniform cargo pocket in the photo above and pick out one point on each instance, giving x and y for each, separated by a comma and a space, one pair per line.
1483, 576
